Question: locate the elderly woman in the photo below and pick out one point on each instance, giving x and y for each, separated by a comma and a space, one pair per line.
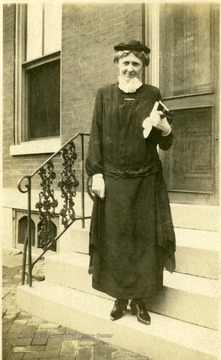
131, 237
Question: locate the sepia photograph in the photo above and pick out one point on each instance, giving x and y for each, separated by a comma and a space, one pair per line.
111, 203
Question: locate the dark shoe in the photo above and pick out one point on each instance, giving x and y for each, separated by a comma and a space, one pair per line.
120, 306
138, 308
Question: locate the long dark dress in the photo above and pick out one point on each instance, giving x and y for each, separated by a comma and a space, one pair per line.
131, 236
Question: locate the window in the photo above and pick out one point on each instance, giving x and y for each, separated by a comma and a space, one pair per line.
21, 221
38, 45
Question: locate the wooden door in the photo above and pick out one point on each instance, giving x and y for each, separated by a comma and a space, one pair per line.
188, 80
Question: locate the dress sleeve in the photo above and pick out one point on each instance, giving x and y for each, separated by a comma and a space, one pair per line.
94, 160
165, 142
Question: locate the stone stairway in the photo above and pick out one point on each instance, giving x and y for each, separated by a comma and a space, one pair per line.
184, 316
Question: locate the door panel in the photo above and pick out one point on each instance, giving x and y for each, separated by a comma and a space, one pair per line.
185, 49
192, 153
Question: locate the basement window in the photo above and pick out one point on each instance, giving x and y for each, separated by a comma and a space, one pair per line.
21, 225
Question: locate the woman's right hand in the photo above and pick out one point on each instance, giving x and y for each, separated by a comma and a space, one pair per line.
98, 185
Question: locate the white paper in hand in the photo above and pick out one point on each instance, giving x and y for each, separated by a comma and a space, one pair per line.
147, 123
147, 127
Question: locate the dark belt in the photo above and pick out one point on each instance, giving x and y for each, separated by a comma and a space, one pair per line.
117, 172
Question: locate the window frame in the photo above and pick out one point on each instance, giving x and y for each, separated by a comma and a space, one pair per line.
21, 144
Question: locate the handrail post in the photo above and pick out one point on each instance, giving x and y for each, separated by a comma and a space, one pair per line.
82, 179
24, 259
29, 233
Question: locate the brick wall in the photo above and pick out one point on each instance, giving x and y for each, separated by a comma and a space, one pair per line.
89, 33
14, 167
8, 83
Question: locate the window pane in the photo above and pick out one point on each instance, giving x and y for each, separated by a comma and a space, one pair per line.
46, 236
185, 49
44, 100
22, 230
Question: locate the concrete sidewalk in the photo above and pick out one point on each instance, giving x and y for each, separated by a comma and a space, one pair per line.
26, 337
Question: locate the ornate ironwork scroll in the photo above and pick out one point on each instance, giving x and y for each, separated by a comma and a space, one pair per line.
46, 205
47, 236
68, 183
23, 188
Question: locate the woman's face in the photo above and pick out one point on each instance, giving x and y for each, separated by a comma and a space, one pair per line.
130, 66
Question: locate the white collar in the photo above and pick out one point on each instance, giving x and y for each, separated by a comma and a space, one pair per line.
130, 86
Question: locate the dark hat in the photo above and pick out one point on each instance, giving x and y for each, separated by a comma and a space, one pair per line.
133, 45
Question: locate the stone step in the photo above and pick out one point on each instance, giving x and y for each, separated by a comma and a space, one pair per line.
197, 251
164, 339
184, 297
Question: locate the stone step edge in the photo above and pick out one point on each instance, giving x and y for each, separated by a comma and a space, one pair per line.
198, 239
179, 281
163, 330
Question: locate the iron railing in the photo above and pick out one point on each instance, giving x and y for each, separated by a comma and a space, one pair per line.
47, 203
